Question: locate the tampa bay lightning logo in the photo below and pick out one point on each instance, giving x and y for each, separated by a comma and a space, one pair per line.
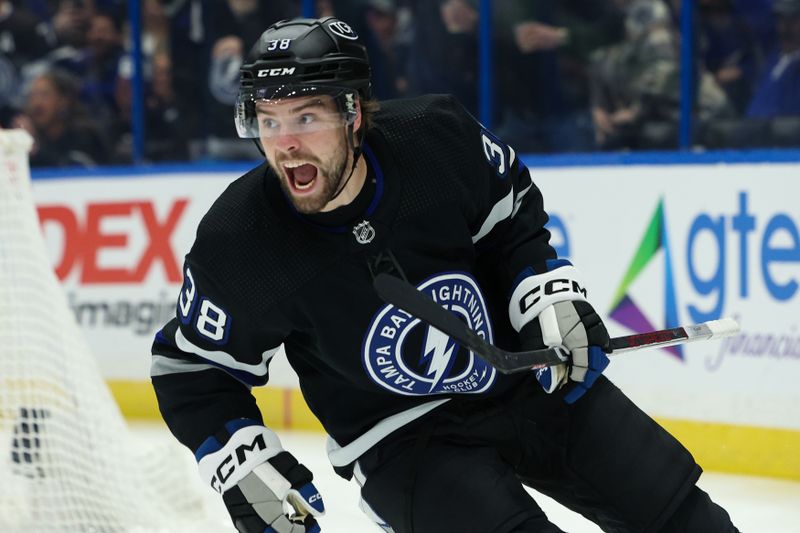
407, 356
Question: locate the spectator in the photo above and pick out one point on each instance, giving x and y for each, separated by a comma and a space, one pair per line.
95, 63
229, 25
100, 64
778, 93
443, 54
189, 54
71, 24
636, 84
378, 32
63, 132
22, 41
729, 50
543, 51
166, 136
324, 8
155, 23
760, 20
349, 10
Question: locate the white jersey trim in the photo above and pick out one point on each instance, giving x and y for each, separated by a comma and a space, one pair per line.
224, 358
162, 366
518, 199
343, 456
501, 211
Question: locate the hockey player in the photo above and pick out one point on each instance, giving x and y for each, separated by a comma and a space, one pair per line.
438, 440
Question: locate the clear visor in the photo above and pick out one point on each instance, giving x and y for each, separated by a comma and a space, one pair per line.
268, 112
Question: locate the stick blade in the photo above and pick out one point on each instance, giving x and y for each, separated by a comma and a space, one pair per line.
724, 327
714, 329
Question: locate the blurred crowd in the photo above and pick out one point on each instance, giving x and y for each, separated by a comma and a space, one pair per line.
569, 75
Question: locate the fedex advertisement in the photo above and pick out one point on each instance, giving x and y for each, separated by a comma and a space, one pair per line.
658, 246
117, 246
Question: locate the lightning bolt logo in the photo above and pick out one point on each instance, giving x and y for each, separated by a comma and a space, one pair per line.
438, 352
428, 362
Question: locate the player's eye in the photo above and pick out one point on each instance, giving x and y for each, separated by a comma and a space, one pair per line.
306, 119
269, 124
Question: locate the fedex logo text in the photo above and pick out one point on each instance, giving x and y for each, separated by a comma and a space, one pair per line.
86, 236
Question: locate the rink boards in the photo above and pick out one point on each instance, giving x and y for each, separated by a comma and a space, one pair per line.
658, 244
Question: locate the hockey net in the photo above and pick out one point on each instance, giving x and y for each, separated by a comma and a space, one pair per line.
68, 461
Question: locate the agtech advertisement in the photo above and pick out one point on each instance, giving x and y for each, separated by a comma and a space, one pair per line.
672, 245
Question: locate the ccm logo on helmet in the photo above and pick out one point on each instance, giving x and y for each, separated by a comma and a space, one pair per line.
342, 29
281, 71
227, 466
554, 286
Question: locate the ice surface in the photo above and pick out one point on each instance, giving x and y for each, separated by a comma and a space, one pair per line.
756, 504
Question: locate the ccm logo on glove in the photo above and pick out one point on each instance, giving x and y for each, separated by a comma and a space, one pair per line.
534, 292
263, 486
554, 286
227, 466
248, 447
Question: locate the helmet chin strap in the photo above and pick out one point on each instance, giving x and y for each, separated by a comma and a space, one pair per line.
356, 150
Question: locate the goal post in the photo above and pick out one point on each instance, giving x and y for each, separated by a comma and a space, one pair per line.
68, 461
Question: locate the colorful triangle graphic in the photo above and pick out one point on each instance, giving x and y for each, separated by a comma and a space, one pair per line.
623, 308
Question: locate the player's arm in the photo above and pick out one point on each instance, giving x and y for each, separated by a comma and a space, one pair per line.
205, 361
547, 305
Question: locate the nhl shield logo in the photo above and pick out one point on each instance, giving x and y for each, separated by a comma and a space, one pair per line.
364, 232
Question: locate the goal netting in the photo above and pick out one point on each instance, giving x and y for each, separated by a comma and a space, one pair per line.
68, 462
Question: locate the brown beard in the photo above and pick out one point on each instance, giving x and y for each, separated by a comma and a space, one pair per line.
334, 172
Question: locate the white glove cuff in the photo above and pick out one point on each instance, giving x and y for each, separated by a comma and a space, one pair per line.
535, 293
247, 448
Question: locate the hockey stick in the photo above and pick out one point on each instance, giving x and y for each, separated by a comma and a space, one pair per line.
401, 294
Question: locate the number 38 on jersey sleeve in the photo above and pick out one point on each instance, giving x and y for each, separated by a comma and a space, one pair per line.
210, 321
207, 332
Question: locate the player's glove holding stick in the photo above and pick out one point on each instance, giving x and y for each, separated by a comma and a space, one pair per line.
263, 486
549, 309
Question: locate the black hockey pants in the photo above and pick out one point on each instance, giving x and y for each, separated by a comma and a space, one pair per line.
459, 468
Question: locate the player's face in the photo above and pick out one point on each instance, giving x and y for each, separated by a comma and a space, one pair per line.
305, 143
44, 103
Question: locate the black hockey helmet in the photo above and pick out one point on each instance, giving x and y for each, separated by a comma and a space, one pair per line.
303, 57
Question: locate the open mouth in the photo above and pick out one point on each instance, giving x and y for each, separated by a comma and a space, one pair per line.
302, 176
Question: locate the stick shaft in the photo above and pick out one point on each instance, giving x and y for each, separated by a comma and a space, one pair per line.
405, 296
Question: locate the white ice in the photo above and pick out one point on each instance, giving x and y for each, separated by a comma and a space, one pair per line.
761, 505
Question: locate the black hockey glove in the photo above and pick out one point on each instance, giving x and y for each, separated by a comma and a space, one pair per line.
264, 487
550, 310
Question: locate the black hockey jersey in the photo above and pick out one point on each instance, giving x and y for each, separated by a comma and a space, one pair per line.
454, 212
